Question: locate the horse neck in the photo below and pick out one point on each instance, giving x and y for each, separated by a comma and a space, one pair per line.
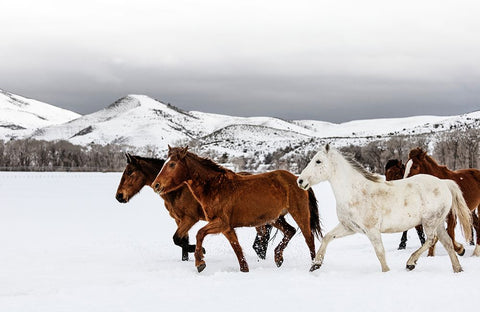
433, 168
199, 176
150, 169
345, 179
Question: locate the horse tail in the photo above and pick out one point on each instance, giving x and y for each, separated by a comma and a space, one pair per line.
315, 224
460, 209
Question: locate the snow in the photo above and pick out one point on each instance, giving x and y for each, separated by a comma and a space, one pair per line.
29, 114
68, 245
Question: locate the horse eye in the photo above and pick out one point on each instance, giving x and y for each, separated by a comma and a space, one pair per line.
318, 162
171, 165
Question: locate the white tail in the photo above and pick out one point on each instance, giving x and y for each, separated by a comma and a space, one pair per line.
460, 209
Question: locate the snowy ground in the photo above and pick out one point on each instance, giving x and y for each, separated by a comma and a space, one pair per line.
68, 245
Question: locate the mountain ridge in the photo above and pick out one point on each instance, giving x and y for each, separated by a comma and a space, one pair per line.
138, 121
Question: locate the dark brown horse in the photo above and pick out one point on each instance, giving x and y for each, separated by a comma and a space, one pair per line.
394, 170
181, 205
230, 200
467, 179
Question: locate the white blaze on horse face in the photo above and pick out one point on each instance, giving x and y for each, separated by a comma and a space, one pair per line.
408, 166
166, 161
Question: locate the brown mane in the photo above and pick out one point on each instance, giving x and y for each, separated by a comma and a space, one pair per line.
421, 155
208, 163
180, 203
232, 200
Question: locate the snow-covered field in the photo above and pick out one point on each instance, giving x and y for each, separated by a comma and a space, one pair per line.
68, 245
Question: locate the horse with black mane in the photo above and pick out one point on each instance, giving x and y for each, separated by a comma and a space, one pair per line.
180, 203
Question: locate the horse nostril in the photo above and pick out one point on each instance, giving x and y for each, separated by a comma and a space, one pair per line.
157, 186
119, 197
300, 181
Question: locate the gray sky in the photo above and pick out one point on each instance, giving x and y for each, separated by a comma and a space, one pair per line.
325, 60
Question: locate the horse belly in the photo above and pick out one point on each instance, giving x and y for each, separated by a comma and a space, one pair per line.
255, 212
400, 219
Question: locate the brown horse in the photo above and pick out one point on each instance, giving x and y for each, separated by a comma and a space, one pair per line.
394, 170
230, 200
467, 179
181, 205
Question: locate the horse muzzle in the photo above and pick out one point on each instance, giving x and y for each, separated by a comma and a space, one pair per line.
158, 188
120, 198
303, 184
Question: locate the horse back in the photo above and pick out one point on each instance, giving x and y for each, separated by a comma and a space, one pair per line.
469, 182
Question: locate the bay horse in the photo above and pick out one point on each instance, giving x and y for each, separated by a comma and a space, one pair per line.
181, 205
468, 180
367, 204
230, 200
394, 170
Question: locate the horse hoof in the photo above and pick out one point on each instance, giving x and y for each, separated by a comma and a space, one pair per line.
315, 267
245, 270
401, 247
279, 263
410, 267
201, 267
461, 253
204, 251
185, 258
261, 253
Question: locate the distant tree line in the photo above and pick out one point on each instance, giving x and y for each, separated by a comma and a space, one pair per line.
35, 155
455, 149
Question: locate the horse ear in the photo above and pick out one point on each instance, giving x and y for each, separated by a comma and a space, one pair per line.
169, 148
129, 158
184, 152
423, 154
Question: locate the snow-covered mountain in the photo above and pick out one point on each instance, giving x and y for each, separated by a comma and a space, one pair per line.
20, 116
139, 121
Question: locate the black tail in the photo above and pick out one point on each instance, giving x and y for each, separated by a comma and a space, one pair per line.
315, 225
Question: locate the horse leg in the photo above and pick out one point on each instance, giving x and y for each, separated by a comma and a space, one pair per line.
451, 223
232, 238
215, 226
430, 241
447, 243
339, 231
288, 232
180, 238
376, 239
421, 235
403, 241
431, 250
260, 244
476, 225
303, 221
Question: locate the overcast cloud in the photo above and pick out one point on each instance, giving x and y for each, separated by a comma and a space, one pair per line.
326, 60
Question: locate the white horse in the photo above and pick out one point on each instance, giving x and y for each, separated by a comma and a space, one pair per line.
368, 204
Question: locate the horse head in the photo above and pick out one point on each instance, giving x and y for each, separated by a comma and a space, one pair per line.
415, 163
317, 169
132, 181
174, 172
394, 170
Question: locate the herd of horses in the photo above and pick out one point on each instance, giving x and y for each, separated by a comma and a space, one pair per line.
420, 194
